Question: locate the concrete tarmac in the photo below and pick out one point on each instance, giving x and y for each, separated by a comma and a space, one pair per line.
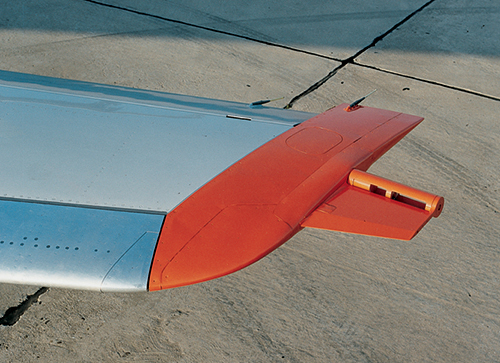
323, 296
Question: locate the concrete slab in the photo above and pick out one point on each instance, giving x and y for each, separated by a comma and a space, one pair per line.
450, 41
148, 56
40, 23
322, 296
332, 29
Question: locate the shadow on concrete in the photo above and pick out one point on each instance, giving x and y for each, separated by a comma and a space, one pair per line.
313, 27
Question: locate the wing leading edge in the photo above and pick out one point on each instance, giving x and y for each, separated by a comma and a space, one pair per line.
75, 247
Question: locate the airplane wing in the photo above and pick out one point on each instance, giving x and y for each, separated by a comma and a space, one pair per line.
116, 189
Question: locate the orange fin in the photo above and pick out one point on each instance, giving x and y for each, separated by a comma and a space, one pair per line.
374, 206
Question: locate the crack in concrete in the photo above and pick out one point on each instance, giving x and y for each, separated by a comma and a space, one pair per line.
14, 313
350, 60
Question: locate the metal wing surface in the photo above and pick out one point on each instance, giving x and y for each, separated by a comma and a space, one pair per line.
89, 171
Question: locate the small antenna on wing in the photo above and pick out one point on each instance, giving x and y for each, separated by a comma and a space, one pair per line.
356, 103
262, 102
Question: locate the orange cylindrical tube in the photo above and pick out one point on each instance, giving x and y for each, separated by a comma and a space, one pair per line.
433, 203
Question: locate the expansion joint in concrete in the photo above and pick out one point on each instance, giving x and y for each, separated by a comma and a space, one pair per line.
180, 22
351, 59
435, 83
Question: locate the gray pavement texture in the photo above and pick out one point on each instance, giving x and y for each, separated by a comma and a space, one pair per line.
323, 296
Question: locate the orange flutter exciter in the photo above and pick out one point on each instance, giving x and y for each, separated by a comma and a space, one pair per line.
313, 175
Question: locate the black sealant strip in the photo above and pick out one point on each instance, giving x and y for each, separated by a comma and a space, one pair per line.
14, 313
